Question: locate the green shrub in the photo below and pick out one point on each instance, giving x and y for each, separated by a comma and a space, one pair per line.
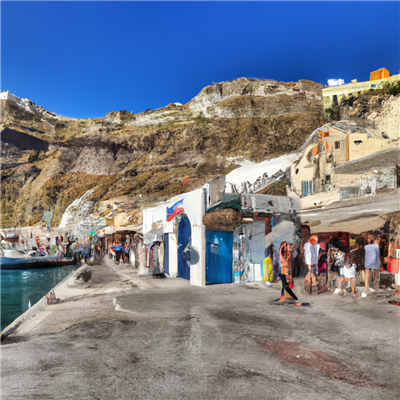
202, 119
332, 114
394, 89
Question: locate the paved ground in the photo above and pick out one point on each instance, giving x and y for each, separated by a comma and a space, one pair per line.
126, 337
353, 215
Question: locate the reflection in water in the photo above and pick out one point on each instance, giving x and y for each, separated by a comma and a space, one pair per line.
18, 288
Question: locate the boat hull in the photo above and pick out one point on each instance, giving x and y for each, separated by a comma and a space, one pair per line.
34, 262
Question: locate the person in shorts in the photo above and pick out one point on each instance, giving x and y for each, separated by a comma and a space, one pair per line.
349, 273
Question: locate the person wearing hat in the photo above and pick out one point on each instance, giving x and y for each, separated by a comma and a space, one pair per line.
311, 254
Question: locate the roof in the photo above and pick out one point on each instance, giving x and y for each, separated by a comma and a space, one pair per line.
323, 128
132, 228
349, 128
381, 159
340, 126
229, 201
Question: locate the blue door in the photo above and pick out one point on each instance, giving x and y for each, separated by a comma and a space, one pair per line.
219, 246
166, 253
184, 239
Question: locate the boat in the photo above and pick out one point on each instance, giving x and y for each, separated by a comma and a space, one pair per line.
34, 262
9, 237
14, 259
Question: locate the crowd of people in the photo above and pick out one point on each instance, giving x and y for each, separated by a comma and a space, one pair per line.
332, 268
120, 250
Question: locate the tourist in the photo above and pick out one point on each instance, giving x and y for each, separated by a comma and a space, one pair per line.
349, 273
285, 254
311, 253
336, 261
118, 250
372, 264
359, 255
322, 268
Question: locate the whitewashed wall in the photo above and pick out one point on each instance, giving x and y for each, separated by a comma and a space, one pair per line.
193, 204
173, 255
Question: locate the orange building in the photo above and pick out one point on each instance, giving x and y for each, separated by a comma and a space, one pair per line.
381, 73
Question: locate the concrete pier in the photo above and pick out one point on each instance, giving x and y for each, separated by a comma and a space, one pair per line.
121, 336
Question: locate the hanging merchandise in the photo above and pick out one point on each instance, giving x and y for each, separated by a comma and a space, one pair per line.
237, 274
394, 265
394, 259
267, 269
392, 249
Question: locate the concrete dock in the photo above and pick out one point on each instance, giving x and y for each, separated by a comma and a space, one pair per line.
121, 336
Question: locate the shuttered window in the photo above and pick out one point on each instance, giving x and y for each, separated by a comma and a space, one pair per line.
307, 187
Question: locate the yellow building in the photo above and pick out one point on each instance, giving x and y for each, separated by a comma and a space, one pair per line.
314, 175
333, 95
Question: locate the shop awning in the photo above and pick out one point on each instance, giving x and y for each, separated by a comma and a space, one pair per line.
108, 230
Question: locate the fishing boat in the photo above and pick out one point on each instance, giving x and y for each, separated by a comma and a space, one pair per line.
34, 262
9, 237
12, 256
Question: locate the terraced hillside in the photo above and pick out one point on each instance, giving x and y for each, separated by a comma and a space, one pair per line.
137, 160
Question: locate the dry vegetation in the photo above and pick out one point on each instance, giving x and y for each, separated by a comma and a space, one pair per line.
145, 163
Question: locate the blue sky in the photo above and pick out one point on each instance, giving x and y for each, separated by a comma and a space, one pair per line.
84, 59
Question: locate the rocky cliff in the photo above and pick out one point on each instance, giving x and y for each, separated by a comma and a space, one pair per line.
132, 160
377, 110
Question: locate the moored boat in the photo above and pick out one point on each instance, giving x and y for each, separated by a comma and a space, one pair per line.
34, 262
9, 237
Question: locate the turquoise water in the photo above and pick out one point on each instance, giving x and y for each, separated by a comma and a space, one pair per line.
21, 286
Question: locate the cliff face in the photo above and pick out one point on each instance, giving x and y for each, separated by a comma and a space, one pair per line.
376, 110
136, 160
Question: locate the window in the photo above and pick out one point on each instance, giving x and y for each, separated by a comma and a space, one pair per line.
337, 145
357, 142
297, 171
307, 188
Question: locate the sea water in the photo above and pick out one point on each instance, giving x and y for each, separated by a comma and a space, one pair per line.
19, 287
